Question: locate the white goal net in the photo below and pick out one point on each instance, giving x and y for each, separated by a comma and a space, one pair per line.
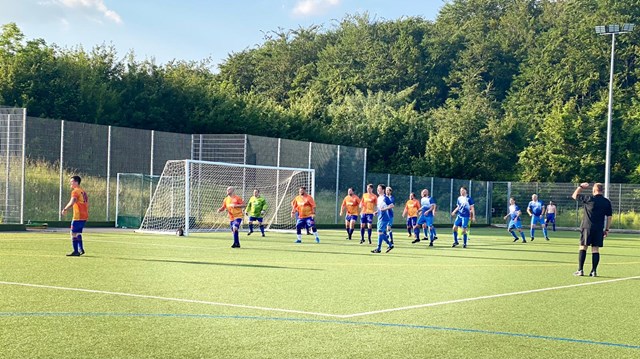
189, 194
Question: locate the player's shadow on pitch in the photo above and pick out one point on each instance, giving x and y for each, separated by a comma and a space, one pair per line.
263, 266
496, 248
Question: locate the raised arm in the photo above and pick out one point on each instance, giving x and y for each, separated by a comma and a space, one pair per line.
576, 193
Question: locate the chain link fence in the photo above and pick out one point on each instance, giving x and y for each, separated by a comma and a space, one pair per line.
37, 156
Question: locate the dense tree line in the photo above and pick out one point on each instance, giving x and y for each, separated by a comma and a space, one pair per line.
492, 89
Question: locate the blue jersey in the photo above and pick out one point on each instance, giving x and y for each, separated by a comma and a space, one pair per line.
383, 212
513, 211
393, 202
536, 207
427, 203
464, 206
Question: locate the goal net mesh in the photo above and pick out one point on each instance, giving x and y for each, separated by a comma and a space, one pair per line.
189, 194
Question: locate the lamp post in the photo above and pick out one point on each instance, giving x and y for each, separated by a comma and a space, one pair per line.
612, 30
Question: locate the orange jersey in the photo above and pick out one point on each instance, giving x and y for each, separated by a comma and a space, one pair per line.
81, 207
234, 212
304, 205
412, 207
369, 203
351, 203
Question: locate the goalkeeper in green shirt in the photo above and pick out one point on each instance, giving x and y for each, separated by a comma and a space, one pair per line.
256, 208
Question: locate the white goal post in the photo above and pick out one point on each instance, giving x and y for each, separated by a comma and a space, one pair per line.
190, 192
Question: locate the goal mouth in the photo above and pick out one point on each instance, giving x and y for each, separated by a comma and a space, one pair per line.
189, 194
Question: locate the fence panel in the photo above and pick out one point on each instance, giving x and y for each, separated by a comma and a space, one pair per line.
324, 159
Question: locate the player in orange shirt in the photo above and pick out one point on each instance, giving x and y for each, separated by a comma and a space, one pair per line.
350, 203
368, 206
80, 203
304, 205
234, 205
411, 209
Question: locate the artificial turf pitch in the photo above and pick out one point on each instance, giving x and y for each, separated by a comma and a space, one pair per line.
149, 296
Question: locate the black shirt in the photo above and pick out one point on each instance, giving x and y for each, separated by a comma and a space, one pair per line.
596, 208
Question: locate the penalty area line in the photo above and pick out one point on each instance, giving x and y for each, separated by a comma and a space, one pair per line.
419, 306
181, 300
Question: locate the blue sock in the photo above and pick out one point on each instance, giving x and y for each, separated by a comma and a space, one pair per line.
433, 230
75, 244
431, 235
464, 238
369, 233
391, 235
80, 244
455, 236
522, 235
544, 231
250, 227
409, 230
362, 233
426, 234
513, 233
262, 228
380, 239
533, 231
236, 240
417, 233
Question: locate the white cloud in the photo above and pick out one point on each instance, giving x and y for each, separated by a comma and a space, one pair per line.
313, 7
90, 7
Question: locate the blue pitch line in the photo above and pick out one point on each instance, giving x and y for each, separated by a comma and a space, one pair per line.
327, 321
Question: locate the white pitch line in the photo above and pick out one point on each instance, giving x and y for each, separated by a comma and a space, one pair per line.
170, 299
486, 297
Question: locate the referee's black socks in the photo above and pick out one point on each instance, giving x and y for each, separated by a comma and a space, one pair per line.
582, 256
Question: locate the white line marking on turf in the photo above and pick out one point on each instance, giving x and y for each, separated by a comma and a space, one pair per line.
170, 299
344, 316
487, 297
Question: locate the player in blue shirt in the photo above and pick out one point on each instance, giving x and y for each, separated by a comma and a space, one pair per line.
536, 210
382, 210
514, 220
464, 213
427, 212
389, 194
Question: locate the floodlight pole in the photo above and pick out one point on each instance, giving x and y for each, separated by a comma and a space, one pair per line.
607, 165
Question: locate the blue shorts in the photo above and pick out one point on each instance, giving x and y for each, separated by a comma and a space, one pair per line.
382, 225
259, 219
366, 218
77, 225
551, 218
515, 224
537, 220
351, 217
428, 220
461, 222
412, 221
308, 222
235, 223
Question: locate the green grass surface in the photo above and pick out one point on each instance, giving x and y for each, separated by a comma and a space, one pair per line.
336, 279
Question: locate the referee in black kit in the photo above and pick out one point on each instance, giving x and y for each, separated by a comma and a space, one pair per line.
592, 229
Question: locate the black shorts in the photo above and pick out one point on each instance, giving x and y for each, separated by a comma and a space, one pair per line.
591, 237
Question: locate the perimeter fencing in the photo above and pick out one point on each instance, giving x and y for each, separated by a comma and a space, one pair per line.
37, 157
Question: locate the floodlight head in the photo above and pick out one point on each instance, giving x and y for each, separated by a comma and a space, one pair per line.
600, 30
613, 29
628, 27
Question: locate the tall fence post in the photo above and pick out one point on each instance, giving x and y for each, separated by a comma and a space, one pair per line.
337, 183
278, 176
451, 200
620, 205
410, 184
309, 166
108, 170
7, 168
61, 169
489, 200
24, 169
364, 173
153, 140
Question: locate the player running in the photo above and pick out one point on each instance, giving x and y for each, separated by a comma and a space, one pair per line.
350, 205
304, 205
411, 209
234, 205
514, 220
256, 208
426, 216
368, 206
80, 203
389, 193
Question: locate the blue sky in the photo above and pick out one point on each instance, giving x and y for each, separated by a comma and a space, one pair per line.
188, 29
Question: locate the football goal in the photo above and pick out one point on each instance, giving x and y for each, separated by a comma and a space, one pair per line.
189, 193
